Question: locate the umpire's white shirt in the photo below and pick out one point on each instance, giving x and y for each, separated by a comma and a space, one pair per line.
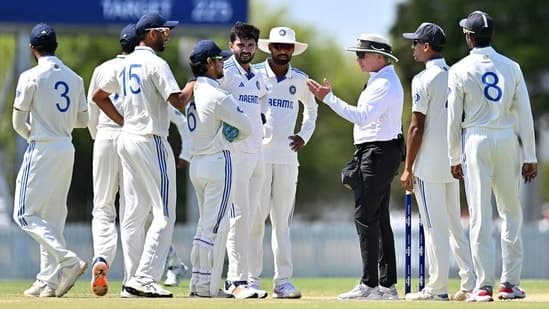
429, 97
247, 89
55, 117
145, 81
283, 106
205, 116
377, 116
477, 84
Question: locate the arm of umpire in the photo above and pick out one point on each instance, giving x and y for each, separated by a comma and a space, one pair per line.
230, 113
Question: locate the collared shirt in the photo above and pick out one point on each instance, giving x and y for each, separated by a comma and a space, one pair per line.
429, 97
283, 105
378, 114
248, 88
144, 81
99, 122
487, 90
53, 94
205, 116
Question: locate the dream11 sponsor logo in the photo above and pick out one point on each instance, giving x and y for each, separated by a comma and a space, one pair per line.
133, 9
212, 11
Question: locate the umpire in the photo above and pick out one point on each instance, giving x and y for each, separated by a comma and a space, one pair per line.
380, 149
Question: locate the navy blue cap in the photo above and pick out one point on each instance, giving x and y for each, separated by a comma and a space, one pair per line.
42, 34
428, 33
479, 23
153, 20
205, 49
128, 37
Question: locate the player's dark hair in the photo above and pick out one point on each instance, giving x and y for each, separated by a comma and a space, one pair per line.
436, 48
46, 48
243, 31
198, 68
127, 48
481, 41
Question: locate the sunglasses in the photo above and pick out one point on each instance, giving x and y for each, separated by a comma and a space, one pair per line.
280, 46
164, 30
217, 58
467, 31
415, 42
360, 55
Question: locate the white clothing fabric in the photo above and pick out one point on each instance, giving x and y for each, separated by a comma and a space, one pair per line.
180, 121
379, 103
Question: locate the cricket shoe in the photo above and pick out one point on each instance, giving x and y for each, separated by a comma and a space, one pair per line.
40, 288
286, 290
424, 295
241, 290
174, 274
99, 283
143, 287
125, 294
69, 275
388, 293
220, 294
484, 294
510, 291
361, 292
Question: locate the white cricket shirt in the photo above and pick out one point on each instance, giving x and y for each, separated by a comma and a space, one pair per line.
283, 105
205, 116
144, 81
488, 90
247, 89
429, 97
53, 94
378, 114
99, 122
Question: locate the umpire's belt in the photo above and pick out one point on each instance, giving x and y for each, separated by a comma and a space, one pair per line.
376, 144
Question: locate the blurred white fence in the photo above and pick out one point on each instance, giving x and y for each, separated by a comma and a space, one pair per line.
319, 250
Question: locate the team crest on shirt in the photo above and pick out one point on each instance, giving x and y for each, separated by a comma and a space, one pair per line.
292, 89
416, 98
282, 32
257, 84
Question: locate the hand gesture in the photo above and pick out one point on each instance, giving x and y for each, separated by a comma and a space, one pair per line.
320, 91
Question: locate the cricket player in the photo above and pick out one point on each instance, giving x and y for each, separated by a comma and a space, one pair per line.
49, 103
107, 171
146, 85
426, 171
247, 86
211, 167
490, 131
280, 145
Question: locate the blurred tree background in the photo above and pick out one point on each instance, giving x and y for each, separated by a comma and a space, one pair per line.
520, 26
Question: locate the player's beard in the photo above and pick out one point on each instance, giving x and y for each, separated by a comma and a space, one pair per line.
282, 60
247, 58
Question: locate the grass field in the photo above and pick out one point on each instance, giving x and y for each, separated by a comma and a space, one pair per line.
317, 293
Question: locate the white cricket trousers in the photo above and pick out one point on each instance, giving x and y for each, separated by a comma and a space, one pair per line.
439, 207
491, 163
40, 204
107, 181
148, 170
211, 176
249, 172
277, 201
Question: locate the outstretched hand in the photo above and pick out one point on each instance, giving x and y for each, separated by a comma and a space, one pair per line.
320, 91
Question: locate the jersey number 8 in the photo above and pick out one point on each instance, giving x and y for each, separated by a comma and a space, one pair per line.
491, 89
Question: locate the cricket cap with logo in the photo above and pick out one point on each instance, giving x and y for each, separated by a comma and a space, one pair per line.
373, 43
153, 20
42, 34
205, 49
479, 23
128, 37
284, 35
428, 33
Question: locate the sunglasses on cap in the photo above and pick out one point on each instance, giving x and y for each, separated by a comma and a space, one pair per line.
164, 30
280, 46
360, 54
467, 31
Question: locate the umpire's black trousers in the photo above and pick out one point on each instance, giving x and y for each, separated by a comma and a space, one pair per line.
379, 162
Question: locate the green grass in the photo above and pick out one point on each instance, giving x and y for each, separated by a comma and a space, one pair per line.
317, 293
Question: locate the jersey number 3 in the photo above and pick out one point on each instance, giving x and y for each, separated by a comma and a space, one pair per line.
64, 88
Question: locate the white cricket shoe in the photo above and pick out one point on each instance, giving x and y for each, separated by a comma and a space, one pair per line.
361, 291
388, 293
125, 294
461, 295
69, 275
510, 291
484, 294
286, 290
40, 288
174, 275
424, 295
142, 287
